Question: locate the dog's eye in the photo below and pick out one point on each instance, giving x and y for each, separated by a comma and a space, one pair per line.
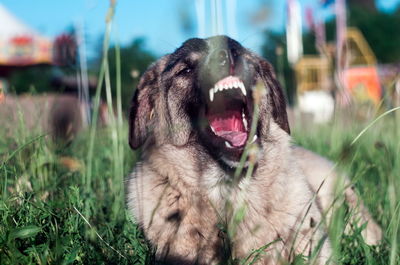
185, 70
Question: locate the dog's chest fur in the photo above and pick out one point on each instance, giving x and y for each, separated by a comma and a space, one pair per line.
186, 207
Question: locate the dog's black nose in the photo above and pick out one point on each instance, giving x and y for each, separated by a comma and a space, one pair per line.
221, 57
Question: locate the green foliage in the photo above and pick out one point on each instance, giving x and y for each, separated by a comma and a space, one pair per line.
372, 164
274, 50
31, 79
39, 202
134, 61
381, 31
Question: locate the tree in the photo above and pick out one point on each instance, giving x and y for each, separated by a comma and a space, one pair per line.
381, 31
274, 50
134, 61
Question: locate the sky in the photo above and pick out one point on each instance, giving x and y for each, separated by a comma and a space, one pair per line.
159, 22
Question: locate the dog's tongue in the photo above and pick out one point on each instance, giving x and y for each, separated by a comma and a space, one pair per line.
230, 127
236, 139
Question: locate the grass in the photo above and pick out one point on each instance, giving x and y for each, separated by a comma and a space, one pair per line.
50, 215
45, 202
373, 164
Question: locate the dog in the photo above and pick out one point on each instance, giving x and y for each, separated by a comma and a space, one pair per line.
218, 177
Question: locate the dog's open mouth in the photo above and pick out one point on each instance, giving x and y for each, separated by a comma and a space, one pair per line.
228, 111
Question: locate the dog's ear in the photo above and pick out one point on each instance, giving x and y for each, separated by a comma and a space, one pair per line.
275, 94
142, 106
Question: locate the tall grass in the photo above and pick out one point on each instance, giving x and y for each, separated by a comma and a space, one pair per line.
48, 215
368, 153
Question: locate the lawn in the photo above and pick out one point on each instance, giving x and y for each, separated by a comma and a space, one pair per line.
53, 210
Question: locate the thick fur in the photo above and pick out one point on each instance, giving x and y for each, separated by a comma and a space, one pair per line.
185, 198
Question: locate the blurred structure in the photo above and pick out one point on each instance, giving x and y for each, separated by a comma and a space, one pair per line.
361, 81
20, 45
313, 74
3, 89
61, 115
58, 115
346, 69
294, 31
361, 77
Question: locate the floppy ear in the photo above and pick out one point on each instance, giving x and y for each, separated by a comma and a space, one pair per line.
275, 94
142, 107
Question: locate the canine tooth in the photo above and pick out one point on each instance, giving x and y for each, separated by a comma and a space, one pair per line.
254, 138
227, 144
211, 94
242, 88
212, 129
236, 84
244, 121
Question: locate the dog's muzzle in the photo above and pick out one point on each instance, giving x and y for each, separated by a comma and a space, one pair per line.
226, 86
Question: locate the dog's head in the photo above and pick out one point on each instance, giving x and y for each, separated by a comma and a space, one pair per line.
203, 92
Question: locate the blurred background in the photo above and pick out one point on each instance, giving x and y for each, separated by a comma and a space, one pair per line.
326, 53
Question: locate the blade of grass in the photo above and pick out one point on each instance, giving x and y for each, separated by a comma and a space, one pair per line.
97, 234
372, 123
93, 127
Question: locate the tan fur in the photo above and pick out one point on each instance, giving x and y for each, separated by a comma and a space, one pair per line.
324, 180
276, 201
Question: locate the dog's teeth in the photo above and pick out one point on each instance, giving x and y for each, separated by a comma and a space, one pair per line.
242, 88
236, 85
254, 138
212, 129
218, 88
211, 94
244, 121
227, 144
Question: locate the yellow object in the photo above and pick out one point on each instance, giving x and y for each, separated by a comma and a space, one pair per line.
359, 52
312, 73
315, 72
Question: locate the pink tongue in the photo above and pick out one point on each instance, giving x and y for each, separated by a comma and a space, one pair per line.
230, 127
236, 139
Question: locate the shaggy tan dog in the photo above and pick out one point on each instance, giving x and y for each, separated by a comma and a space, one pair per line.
196, 113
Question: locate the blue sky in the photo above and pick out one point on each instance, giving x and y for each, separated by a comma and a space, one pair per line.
158, 21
